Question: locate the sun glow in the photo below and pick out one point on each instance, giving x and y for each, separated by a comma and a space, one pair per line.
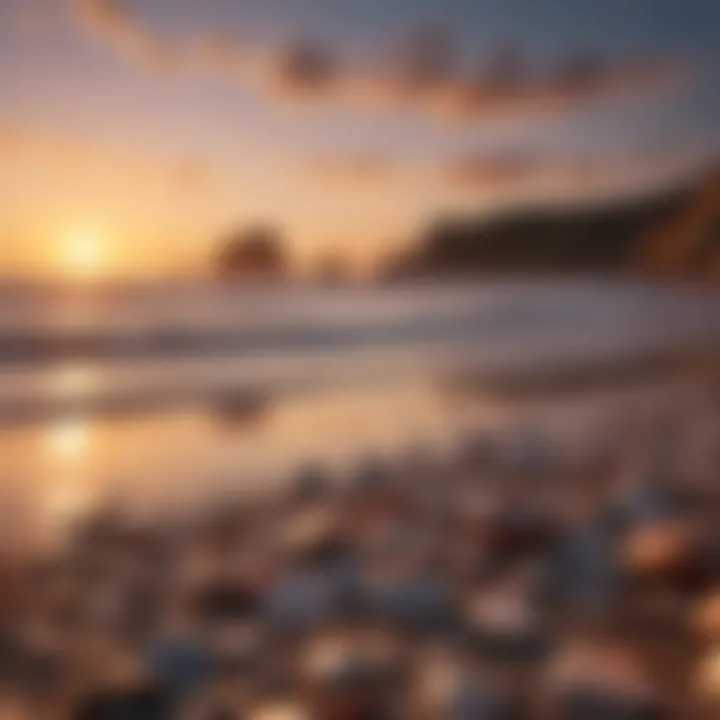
68, 439
83, 253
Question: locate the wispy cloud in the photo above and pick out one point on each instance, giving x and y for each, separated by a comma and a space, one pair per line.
483, 170
111, 23
420, 72
304, 68
525, 174
513, 173
500, 91
350, 169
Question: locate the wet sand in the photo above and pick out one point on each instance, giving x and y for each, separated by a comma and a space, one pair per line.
508, 579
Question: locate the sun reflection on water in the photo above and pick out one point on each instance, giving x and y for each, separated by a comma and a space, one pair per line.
68, 439
67, 443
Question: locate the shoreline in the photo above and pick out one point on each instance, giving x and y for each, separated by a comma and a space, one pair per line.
501, 382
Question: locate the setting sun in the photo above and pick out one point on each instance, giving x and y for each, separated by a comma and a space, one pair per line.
83, 253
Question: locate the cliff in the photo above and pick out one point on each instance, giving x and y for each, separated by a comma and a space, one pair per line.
674, 233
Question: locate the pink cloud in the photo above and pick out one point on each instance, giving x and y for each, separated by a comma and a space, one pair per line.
420, 73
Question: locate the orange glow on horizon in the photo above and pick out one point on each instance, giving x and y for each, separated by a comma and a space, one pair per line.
82, 253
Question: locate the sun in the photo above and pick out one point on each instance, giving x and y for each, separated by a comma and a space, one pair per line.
83, 252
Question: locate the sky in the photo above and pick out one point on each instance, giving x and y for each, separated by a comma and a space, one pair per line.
136, 134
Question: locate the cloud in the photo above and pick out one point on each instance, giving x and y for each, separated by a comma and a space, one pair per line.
111, 23
421, 71
503, 91
305, 68
351, 169
483, 170
512, 173
524, 174
511, 170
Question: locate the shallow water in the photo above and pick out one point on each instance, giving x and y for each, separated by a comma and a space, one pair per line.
186, 390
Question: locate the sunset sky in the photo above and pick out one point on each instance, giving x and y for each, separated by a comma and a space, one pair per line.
134, 134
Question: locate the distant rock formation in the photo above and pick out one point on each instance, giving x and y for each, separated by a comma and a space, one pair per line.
688, 244
674, 233
255, 252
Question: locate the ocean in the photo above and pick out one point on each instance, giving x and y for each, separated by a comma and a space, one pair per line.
163, 394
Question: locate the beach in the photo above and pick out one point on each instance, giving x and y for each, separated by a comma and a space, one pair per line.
359, 361
512, 577
431, 527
